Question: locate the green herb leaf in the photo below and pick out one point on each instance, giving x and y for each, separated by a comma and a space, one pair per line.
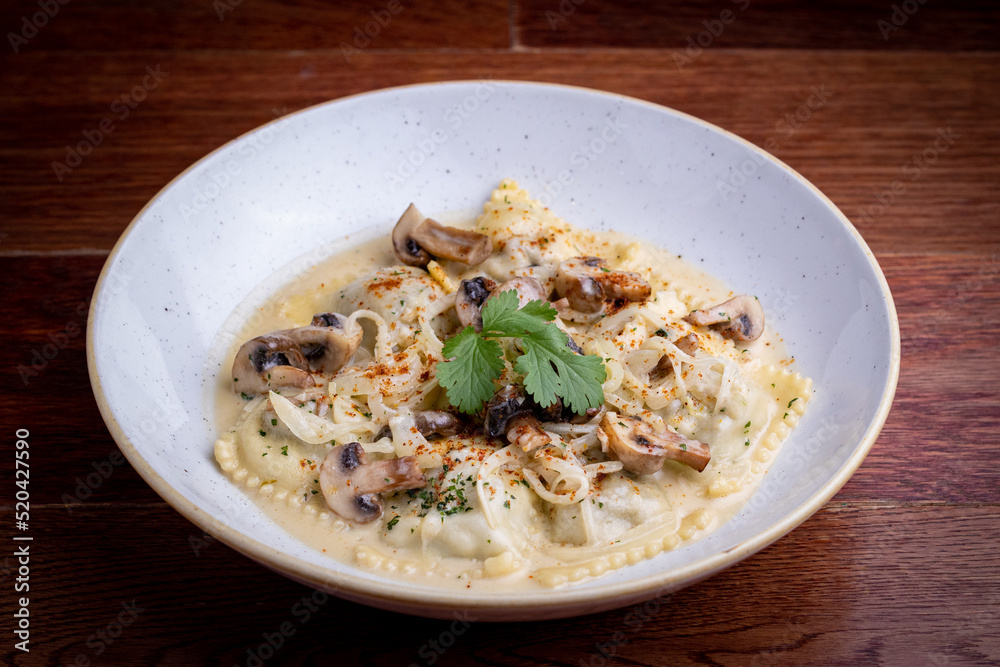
473, 365
551, 369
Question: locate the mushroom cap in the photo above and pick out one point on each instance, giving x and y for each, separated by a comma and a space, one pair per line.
576, 282
587, 282
270, 362
452, 243
351, 485
527, 288
742, 318
506, 403
643, 451
408, 250
416, 239
329, 342
436, 422
469, 299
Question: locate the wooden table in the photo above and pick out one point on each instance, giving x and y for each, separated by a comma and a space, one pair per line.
900, 568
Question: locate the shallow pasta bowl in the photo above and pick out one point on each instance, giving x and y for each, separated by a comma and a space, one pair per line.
603, 161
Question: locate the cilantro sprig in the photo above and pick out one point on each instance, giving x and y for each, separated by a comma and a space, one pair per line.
550, 368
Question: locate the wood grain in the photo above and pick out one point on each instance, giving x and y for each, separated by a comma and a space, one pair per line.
262, 25
900, 568
794, 24
856, 584
864, 141
947, 458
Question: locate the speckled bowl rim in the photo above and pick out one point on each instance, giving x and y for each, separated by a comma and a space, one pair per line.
555, 603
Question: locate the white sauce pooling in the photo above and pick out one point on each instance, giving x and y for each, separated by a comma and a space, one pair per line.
493, 514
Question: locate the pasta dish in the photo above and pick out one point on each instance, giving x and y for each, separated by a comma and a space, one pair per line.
513, 400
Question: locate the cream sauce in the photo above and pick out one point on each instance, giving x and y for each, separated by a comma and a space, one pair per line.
698, 503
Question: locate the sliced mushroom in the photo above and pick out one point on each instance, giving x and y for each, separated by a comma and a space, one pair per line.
270, 362
643, 451
469, 300
510, 414
525, 431
437, 422
742, 318
327, 345
429, 422
416, 239
351, 485
527, 288
663, 368
587, 282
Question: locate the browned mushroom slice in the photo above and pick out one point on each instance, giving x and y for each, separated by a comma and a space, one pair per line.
525, 431
429, 423
740, 318
416, 239
526, 287
270, 362
587, 282
469, 300
510, 414
643, 451
351, 485
328, 343
436, 422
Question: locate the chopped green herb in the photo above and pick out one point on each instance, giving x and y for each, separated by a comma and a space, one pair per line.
392, 522
284, 450
262, 433
274, 422
792, 401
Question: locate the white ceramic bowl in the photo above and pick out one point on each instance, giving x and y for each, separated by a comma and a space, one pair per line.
599, 160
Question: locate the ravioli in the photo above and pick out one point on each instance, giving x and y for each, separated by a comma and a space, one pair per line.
489, 510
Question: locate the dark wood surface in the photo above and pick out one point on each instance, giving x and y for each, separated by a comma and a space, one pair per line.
902, 567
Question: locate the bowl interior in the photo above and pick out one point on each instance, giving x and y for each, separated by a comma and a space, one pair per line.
299, 185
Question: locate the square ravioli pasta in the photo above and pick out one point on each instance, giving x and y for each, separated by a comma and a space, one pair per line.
513, 401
